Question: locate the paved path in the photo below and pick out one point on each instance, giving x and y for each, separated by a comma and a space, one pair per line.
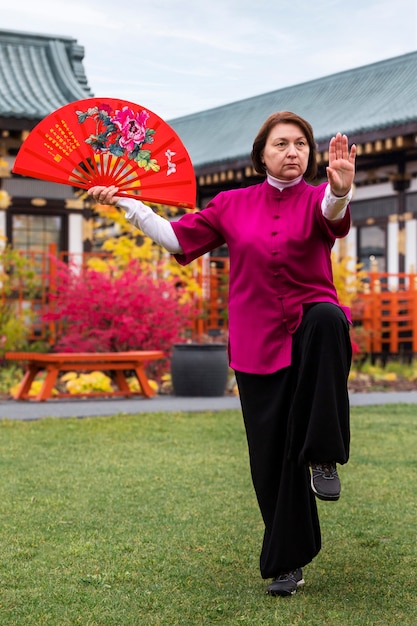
14, 410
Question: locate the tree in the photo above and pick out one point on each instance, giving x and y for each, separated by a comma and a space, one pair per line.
129, 243
105, 311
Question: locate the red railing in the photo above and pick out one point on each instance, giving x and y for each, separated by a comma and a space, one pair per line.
211, 322
387, 311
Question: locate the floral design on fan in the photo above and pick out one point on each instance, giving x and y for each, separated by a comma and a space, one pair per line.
121, 133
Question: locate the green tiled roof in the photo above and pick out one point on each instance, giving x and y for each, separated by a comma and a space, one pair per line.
372, 97
38, 74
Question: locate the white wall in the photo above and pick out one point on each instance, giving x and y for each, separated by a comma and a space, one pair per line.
411, 245
392, 253
75, 233
351, 244
3, 223
75, 237
368, 192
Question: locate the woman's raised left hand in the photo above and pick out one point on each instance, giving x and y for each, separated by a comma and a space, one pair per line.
341, 168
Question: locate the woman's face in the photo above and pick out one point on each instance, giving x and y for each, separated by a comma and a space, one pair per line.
286, 152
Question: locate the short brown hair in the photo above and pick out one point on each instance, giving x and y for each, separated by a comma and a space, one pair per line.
284, 117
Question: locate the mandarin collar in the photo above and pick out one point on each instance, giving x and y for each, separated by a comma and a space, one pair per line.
274, 192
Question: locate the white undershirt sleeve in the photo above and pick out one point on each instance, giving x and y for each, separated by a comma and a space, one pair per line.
333, 207
151, 224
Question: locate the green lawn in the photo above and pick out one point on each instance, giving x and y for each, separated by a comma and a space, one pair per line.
151, 520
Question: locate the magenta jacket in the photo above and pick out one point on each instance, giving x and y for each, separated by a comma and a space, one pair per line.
280, 259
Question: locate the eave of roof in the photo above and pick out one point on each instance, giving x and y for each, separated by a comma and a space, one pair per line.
39, 74
374, 97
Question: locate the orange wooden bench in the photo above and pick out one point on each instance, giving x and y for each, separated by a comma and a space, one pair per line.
54, 363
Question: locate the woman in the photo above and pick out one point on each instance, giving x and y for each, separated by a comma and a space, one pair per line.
288, 335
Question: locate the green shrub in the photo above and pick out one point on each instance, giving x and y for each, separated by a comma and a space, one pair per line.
18, 280
10, 375
14, 329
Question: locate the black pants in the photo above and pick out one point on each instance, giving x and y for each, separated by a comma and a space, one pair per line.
297, 415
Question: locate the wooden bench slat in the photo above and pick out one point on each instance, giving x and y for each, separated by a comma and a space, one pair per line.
56, 362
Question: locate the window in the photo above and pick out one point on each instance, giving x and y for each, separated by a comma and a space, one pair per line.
36, 232
372, 246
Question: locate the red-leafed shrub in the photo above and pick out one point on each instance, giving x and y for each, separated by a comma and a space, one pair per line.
115, 312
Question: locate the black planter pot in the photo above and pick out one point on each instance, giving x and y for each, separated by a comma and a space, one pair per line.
199, 369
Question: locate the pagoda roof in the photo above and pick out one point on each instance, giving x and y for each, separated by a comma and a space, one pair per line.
38, 74
379, 99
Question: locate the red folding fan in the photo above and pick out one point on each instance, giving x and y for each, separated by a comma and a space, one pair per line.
105, 141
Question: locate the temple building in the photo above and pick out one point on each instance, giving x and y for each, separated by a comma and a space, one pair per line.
375, 105
38, 74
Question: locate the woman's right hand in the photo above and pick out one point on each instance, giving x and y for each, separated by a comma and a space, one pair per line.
104, 195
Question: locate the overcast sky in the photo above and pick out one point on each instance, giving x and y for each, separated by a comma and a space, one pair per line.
177, 57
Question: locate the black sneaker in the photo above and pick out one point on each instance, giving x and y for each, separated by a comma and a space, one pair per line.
325, 481
286, 584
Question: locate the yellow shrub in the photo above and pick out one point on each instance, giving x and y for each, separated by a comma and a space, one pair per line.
390, 376
35, 388
87, 383
348, 278
134, 386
